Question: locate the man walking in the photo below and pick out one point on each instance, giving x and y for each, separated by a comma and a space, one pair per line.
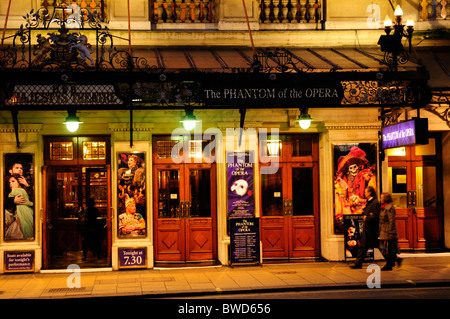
369, 236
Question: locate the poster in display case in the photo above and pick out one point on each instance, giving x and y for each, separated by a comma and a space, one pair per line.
355, 168
18, 197
131, 195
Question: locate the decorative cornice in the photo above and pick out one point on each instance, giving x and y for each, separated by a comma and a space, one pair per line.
23, 128
331, 127
125, 127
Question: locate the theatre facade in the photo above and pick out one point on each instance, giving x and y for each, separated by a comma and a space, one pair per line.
286, 135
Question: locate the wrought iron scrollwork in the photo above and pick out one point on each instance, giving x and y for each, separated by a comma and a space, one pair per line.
67, 48
390, 116
69, 16
440, 104
166, 94
274, 60
374, 92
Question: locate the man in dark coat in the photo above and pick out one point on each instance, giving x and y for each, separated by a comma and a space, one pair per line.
369, 236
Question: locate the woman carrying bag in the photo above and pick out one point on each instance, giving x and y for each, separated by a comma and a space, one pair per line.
388, 232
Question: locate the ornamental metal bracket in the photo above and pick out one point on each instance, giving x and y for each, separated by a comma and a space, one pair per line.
390, 116
242, 112
14, 114
440, 104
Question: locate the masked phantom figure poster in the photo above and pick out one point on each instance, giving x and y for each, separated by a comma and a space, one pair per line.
241, 202
355, 168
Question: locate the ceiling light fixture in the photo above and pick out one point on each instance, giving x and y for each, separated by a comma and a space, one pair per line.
72, 121
304, 119
189, 121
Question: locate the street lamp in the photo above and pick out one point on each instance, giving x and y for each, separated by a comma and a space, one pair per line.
189, 120
304, 119
391, 44
72, 121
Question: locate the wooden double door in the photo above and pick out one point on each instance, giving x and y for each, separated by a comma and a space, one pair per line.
184, 212
290, 205
66, 192
415, 181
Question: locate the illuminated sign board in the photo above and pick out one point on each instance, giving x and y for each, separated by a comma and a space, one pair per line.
405, 133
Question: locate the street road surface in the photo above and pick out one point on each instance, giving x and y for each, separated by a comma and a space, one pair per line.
388, 293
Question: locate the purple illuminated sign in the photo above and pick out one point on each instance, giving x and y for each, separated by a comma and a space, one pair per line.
405, 133
241, 196
133, 257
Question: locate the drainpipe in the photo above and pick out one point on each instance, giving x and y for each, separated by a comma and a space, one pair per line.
324, 14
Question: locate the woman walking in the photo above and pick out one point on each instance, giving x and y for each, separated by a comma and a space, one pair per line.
388, 232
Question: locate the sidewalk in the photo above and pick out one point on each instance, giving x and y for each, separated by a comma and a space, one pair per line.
416, 270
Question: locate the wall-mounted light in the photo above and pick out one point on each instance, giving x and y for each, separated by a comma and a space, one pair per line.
304, 119
273, 148
189, 121
72, 121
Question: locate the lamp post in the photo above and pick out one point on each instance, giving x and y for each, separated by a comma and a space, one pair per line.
391, 44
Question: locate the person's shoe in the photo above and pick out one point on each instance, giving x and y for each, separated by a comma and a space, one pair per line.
356, 266
399, 261
386, 268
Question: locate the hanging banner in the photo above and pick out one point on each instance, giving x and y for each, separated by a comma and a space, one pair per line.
241, 198
405, 133
244, 240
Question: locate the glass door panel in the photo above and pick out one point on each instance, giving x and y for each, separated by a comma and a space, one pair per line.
398, 185
272, 193
67, 194
96, 187
200, 197
302, 191
168, 193
426, 186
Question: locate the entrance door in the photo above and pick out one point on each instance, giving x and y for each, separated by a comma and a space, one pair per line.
415, 181
290, 207
66, 192
185, 212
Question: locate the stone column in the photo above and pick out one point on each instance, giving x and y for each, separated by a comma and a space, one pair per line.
139, 15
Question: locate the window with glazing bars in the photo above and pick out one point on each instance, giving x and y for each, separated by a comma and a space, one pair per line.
164, 148
61, 151
94, 150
